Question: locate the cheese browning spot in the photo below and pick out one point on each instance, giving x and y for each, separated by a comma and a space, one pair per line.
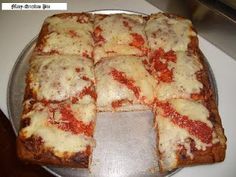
127, 25
194, 127
72, 33
122, 78
97, 34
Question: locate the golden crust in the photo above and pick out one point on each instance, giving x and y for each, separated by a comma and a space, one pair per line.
33, 150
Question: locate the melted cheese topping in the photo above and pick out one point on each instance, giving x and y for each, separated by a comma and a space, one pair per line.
67, 36
59, 77
171, 135
191, 109
86, 112
184, 78
60, 141
117, 36
110, 90
168, 33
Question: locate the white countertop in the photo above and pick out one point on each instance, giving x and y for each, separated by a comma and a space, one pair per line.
17, 28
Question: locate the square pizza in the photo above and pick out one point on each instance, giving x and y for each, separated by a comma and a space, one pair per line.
59, 133
179, 75
86, 63
170, 32
119, 34
189, 132
60, 77
67, 34
123, 83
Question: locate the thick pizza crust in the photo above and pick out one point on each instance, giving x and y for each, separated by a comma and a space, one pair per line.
30, 151
213, 154
57, 147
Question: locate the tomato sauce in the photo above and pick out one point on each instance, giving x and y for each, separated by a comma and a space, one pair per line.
122, 78
138, 42
159, 64
69, 123
194, 127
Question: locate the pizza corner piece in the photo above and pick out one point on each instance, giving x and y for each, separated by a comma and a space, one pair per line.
55, 134
67, 34
189, 133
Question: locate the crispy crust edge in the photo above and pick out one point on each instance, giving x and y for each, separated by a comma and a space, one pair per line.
46, 156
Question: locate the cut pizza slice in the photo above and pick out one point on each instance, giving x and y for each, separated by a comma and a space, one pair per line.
119, 34
170, 32
189, 133
123, 84
57, 133
57, 78
68, 33
179, 75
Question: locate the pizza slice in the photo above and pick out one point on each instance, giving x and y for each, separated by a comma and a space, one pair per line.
59, 112
189, 133
59, 77
67, 34
170, 32
57, 133
119, 34
123, 84
179, 75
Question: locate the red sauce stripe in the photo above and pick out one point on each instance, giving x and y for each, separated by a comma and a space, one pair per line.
123, 79
68, 122
159, 64
138, 42
194, 127
88, 91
